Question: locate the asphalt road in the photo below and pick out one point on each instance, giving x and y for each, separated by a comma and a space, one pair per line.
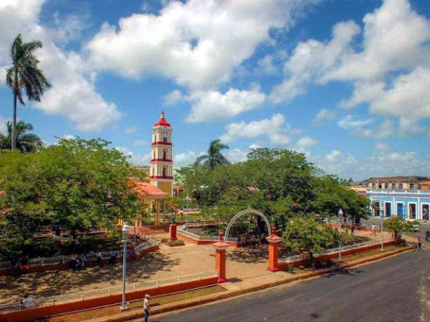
396, 289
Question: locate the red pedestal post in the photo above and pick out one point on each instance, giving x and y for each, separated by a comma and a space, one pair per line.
274, 241
172, 232
220, 258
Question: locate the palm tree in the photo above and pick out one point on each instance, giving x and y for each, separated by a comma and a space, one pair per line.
214, 156
25, 142
24, 74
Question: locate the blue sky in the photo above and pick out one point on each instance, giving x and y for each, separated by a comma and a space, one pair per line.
344, 81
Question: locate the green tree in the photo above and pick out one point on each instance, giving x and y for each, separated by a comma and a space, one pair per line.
24, 74
76, 183
214, 156
307, 234
25, 142
398, 225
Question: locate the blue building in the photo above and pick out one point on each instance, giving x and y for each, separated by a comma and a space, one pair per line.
408, 197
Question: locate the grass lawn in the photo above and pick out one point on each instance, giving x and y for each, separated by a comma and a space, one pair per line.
137, 305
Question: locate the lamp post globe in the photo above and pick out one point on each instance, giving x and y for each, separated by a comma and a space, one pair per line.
125, 229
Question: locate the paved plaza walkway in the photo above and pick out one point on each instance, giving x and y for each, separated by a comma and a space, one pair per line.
243, 266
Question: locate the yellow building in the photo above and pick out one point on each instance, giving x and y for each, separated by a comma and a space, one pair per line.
161, 170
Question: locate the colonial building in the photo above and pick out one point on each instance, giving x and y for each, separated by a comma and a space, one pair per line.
408, 197
161, 170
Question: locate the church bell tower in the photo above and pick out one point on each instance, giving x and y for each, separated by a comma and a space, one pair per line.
161, 171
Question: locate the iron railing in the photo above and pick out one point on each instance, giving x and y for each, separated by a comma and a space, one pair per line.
43, 261
104, 292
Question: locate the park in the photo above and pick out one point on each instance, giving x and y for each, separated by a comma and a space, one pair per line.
280, 194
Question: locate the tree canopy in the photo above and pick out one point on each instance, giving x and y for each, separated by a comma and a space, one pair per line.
76, 183
280, 183
24, 74
398, 225
25, 142
214, 156
307, 234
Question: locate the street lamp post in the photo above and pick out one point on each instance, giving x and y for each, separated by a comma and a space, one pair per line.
340, 214
124, 263
382, 231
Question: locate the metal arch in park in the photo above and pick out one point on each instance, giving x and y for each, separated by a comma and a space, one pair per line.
243, 213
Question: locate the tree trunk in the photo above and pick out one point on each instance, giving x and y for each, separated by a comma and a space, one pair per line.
15, 98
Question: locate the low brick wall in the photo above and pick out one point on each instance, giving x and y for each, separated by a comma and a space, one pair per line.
48, 311
348, 252
57, 267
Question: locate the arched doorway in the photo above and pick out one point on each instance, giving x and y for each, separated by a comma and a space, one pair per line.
245, 212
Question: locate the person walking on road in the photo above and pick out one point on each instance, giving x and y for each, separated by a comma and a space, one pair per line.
146, 308
419, 244
373, 230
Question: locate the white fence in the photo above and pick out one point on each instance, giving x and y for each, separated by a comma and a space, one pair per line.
104, 292
44, 261
203, 237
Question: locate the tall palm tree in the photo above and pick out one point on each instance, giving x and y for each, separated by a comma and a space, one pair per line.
214, 156
24, 74
25, 142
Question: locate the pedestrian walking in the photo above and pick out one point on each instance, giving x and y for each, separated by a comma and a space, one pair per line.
146, 308
352, 230
373, 230
419, 245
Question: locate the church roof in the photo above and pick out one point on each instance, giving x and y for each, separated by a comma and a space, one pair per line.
162, 121
149, 191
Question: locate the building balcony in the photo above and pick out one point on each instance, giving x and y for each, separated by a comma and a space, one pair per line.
161, 143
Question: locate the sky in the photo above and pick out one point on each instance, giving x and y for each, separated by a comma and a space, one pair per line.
345, 81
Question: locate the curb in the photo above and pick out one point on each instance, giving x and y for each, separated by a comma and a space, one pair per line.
137, 314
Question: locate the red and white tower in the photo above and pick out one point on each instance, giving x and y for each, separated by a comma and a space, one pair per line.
161, 172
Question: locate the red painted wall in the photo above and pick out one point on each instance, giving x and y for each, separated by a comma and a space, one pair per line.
348, 252
37, 313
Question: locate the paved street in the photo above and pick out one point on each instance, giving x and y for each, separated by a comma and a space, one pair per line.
397, 289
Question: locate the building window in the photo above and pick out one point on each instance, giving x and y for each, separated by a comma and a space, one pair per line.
164, 140
373, 185
400, 185
380, 186
164, 155
412, 186
386, 186
419, 186
393, 186
164, 172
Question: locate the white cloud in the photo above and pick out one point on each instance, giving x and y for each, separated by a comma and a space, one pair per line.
130, 129
386, 162
325, 115
173, 98
384, 130
382, 147
276, 128
254, 146
213, 105
197, 43
134, 158
350, 122
408, 98
305, 142
69, 137
389, 70
236, 155
73, 94
183, 159
140, 143
266, 66
311, 60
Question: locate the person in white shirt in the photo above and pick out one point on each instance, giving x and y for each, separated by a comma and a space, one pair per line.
28, 302
146, 308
